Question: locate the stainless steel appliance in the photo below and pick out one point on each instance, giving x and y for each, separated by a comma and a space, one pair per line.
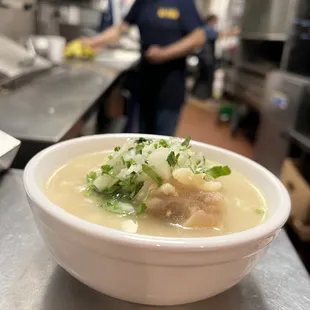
285, 115
296, 53
267, 19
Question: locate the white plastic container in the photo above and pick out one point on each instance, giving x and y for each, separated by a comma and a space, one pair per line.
9, 147
56, 47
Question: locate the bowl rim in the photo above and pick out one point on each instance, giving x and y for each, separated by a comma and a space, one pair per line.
270, 227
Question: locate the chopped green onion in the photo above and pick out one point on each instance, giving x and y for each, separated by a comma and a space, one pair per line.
218, 171
163, 143
186, 141
172, 159
152, 174
130, 162
139, 148
141, 208
136, 190
106, 169
117, 149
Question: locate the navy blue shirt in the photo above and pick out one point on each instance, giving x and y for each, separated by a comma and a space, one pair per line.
163, 22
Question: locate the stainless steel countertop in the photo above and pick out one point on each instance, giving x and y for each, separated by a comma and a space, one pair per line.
47, 108
31, 280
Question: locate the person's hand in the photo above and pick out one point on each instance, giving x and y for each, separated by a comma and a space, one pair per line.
91, 42
87, 41
236, 31
156, 54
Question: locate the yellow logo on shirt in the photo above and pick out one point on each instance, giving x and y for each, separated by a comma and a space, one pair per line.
168, 13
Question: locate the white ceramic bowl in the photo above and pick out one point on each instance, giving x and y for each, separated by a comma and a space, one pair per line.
145, 269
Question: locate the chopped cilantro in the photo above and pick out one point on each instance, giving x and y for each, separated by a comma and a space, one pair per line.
112, 206
163, 143
121, 181
152, 174
141, 208
115, 206
198, 170
172, 159
113, 190
218, 171
139, 148
186, 141
141, 140
90, 178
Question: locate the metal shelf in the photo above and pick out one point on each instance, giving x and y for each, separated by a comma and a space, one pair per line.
255, 36
254, 68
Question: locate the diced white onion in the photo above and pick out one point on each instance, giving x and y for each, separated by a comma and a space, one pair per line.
102, 182
126, 207
158, 159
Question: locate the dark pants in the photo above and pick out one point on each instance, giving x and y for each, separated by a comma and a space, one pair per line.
162, 122
203, 87
161, 97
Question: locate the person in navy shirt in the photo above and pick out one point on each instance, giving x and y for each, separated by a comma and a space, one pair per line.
208, 56
169, 30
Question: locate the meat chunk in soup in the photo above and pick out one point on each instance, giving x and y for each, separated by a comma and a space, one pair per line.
176, 204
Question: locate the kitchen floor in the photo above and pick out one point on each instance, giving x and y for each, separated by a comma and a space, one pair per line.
199, 121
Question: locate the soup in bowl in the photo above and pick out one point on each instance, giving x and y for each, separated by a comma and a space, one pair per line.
151, 219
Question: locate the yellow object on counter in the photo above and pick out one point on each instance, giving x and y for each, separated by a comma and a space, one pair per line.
77, 49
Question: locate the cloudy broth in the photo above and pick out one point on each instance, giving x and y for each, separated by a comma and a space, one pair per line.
245, 206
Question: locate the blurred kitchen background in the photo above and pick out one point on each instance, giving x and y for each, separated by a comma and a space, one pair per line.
260, 106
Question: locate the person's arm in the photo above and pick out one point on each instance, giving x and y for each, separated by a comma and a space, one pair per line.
231, 33
180, 49
109, 36
114, 33
185, 46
